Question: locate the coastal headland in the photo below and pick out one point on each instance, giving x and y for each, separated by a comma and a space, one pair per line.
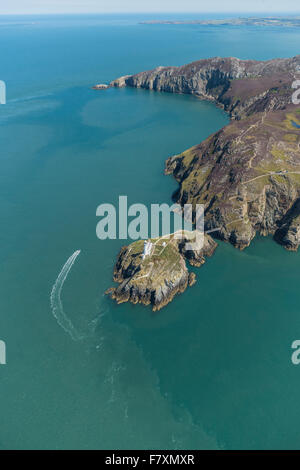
247, 175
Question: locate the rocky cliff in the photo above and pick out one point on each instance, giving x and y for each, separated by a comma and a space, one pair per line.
247, 174
241, 87
156, 279
248, 177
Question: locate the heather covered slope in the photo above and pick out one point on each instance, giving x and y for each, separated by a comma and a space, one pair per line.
240, 86
248, 177
247, 174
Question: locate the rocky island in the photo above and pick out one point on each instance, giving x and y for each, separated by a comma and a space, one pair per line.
247, 174
100, 86
156, 278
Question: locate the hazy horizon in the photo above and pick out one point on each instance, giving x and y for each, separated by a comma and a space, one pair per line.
258, 7
220, 14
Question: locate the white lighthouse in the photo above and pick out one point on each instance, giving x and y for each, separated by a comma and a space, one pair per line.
147, 248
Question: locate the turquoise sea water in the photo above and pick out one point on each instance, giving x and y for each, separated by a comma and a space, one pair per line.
211, 370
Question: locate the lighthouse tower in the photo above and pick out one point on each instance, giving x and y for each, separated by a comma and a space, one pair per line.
147, 249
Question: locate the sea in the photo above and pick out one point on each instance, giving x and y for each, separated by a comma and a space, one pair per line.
213, 369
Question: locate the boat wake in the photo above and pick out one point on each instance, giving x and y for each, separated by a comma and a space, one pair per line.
56, 303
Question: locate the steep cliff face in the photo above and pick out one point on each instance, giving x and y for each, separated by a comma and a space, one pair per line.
248, 174
248, 177
156, 279
289, 232
241, 87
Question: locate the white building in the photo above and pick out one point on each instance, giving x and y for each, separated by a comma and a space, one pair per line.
147, 248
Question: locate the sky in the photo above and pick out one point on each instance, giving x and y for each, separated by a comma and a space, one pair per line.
157, 6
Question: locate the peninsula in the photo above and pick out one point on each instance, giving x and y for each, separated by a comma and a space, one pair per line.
293, 21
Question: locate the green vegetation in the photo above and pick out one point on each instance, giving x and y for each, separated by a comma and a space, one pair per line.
188, 156
278, 153
290, 137
288, 121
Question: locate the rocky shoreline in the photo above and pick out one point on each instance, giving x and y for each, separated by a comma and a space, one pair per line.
158, 278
